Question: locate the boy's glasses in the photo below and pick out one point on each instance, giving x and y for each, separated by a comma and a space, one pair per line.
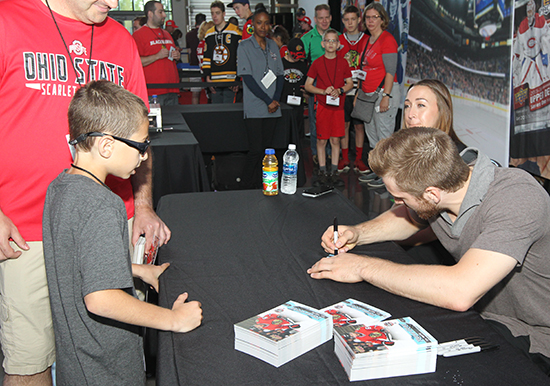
375, 17
331, 41
139, 146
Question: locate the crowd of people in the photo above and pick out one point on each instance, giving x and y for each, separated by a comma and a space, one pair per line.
422, 64
67, 225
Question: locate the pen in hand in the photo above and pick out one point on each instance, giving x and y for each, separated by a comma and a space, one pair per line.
335, 235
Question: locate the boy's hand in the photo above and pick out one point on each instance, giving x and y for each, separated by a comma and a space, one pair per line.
187, 316
329, 90
149, 273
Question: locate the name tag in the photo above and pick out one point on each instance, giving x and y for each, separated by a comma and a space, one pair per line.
359, 74
293, 100
333, 101
172, 49
268, 79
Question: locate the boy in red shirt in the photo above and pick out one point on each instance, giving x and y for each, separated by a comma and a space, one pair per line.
333, 77
352, 45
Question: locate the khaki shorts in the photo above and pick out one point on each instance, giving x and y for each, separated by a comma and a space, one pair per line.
26, 331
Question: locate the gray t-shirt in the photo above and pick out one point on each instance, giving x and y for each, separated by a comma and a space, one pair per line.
506, 211
252, 60
86, 250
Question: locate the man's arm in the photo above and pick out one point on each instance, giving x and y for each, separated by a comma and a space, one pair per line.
398, 223
456, 287
119, 305
9, 230
146, 220
147, 60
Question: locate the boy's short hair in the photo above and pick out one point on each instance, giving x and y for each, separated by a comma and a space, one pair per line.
102, 106
330, 31
352, 9
218, 4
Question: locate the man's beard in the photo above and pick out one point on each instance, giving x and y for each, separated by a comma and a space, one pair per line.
426, 209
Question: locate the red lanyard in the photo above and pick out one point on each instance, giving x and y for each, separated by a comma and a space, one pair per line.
335, 69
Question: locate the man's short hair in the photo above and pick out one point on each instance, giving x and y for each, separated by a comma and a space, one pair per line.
102, 106
200, 18
418, 158
352, 9
320, 7
218, 4
150, 7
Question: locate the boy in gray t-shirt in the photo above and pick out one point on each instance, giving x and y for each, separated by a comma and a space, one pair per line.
95, 312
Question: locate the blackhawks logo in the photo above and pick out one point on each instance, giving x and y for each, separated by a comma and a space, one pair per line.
353, 58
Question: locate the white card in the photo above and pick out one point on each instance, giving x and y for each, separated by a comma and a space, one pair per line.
333, 101
172, 49
268, 79
359, 74
294, 100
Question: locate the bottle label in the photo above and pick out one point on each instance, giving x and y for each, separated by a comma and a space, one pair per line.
270, 181
290, 169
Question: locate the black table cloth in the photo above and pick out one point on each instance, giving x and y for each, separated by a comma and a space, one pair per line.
240, 253
178, 165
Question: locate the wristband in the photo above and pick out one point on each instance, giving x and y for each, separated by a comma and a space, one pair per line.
341, 90
386, 94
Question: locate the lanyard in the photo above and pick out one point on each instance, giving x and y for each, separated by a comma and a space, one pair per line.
366, 51
69, 53
161, 36
335, 69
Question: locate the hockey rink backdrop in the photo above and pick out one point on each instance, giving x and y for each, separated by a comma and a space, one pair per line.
467, 45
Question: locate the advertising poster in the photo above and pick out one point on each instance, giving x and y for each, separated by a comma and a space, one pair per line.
530, 129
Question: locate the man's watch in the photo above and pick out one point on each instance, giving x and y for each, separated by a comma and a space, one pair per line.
386, 94
341, 90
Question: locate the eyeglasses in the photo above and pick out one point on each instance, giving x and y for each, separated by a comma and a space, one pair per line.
372, 17
139, 146
331, 41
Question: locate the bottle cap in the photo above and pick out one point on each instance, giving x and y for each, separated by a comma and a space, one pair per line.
269, 151
291, 146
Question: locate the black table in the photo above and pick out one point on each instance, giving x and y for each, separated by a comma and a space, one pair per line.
178, 165
219, 128
240, 253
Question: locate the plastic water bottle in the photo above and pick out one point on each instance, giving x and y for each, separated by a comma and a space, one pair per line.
290, 170
155, 112
270, 173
